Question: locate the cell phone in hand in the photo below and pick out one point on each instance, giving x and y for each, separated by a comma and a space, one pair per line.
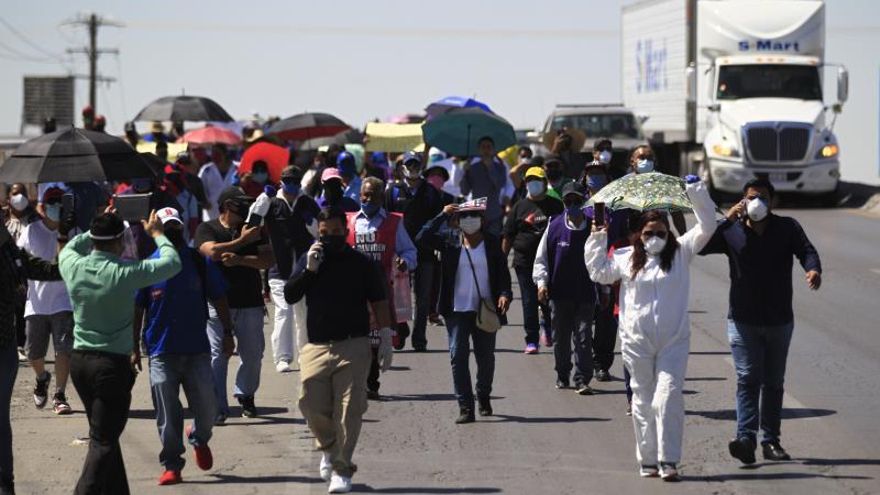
67, 204
599, 214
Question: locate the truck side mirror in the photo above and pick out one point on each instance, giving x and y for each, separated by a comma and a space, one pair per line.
690, 75
643, 118
842, 85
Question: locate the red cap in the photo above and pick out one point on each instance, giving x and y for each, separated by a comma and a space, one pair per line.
88, 110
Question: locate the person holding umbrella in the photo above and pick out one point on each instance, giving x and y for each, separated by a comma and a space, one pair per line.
642, 161
486, 177
654, 327
475, 280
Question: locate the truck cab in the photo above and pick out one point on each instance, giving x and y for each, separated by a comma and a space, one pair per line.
767, 117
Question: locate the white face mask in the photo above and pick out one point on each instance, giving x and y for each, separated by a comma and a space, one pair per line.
655, 245
605, 157
757, 209
470, 225
644, 166
18, 202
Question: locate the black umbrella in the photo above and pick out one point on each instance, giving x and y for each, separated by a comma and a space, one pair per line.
74, 155
351, 136
184, 108
308, 126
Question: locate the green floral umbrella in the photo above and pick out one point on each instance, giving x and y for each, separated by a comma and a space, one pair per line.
648, 191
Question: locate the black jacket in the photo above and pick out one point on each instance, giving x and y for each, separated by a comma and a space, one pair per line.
418, 207
16, 267
448, 242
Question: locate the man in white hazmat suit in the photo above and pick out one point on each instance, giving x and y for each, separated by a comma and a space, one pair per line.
654, 326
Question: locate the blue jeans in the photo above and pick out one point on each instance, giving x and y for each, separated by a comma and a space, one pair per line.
8, 372
167, 373
462, 328
573, 324
759, 355
250, 344
529, 295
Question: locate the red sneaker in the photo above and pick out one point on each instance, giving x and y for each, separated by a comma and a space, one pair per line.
203, 455
170, 478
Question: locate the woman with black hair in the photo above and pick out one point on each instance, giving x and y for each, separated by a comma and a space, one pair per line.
654, 328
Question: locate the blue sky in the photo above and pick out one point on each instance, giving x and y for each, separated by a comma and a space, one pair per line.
367, 59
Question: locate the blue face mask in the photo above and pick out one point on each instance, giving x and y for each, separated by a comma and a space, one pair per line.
535, 187
291, 188
575, 209
370, 209
53, 212
644, 166
260, 177
596, 182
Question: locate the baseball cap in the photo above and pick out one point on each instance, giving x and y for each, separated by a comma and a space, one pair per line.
168, 214
345, 162
53, 194
575, 188
233, 193
596, 164
411, 156
330, 173
291, 173
536, 172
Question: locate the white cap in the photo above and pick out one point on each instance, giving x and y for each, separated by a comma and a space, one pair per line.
168, 214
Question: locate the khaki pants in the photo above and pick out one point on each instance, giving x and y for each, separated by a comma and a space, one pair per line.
333, 396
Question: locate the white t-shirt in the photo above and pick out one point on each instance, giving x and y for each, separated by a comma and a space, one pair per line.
44, 298
214, 184
466, 296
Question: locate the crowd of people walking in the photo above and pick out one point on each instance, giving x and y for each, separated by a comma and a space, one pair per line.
395, 239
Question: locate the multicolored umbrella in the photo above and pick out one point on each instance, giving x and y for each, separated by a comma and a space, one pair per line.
648, 191
444, 105
211, 135
306, 126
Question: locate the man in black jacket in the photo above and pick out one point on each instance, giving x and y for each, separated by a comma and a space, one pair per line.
474, 273
760, 248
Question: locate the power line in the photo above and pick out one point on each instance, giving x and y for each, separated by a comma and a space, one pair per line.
27, 41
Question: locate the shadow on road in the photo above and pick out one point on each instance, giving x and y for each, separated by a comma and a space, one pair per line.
505, 418
810, 461
753, 476
787, 413
705, 379
423, 489
219, 478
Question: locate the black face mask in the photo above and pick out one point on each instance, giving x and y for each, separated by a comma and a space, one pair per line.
175, 236
332, 243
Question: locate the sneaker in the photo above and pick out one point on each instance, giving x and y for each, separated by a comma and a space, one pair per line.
603, 376
466, 416
669, 472
220, 419
283, 367
170, 478
436, 320
531, 349
22, 357
648, 471
202, 453
41, 390
248, 409
629, 408
339, 484
420, 348
325, 469
583, 389
485, 406
60, 405
743, 449
561, 384
544, 341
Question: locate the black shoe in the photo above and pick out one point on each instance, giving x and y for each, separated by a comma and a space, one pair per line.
420, 348
583, 389
466, 416
373, 395
774, 452
561, 384
248, 409
602, 376
41, 390
743, 449
485, 406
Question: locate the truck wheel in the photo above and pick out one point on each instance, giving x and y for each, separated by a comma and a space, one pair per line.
830, 199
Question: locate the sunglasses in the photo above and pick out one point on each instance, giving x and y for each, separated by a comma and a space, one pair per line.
660, 234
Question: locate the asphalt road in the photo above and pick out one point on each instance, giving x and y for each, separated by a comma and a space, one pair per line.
543, 440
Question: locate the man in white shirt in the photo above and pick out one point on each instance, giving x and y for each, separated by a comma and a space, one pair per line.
216, 176
48, 312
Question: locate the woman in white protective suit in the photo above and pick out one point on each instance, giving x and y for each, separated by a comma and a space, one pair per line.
654, 326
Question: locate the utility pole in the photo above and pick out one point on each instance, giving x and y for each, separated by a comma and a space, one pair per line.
93, 22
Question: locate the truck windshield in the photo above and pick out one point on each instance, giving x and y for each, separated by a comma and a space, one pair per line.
769, 81
612, 125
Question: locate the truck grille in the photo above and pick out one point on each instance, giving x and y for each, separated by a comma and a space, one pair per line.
778, 144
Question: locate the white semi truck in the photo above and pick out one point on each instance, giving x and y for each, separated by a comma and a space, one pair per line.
733, 89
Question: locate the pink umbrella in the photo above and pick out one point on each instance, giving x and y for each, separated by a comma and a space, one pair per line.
211, 135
